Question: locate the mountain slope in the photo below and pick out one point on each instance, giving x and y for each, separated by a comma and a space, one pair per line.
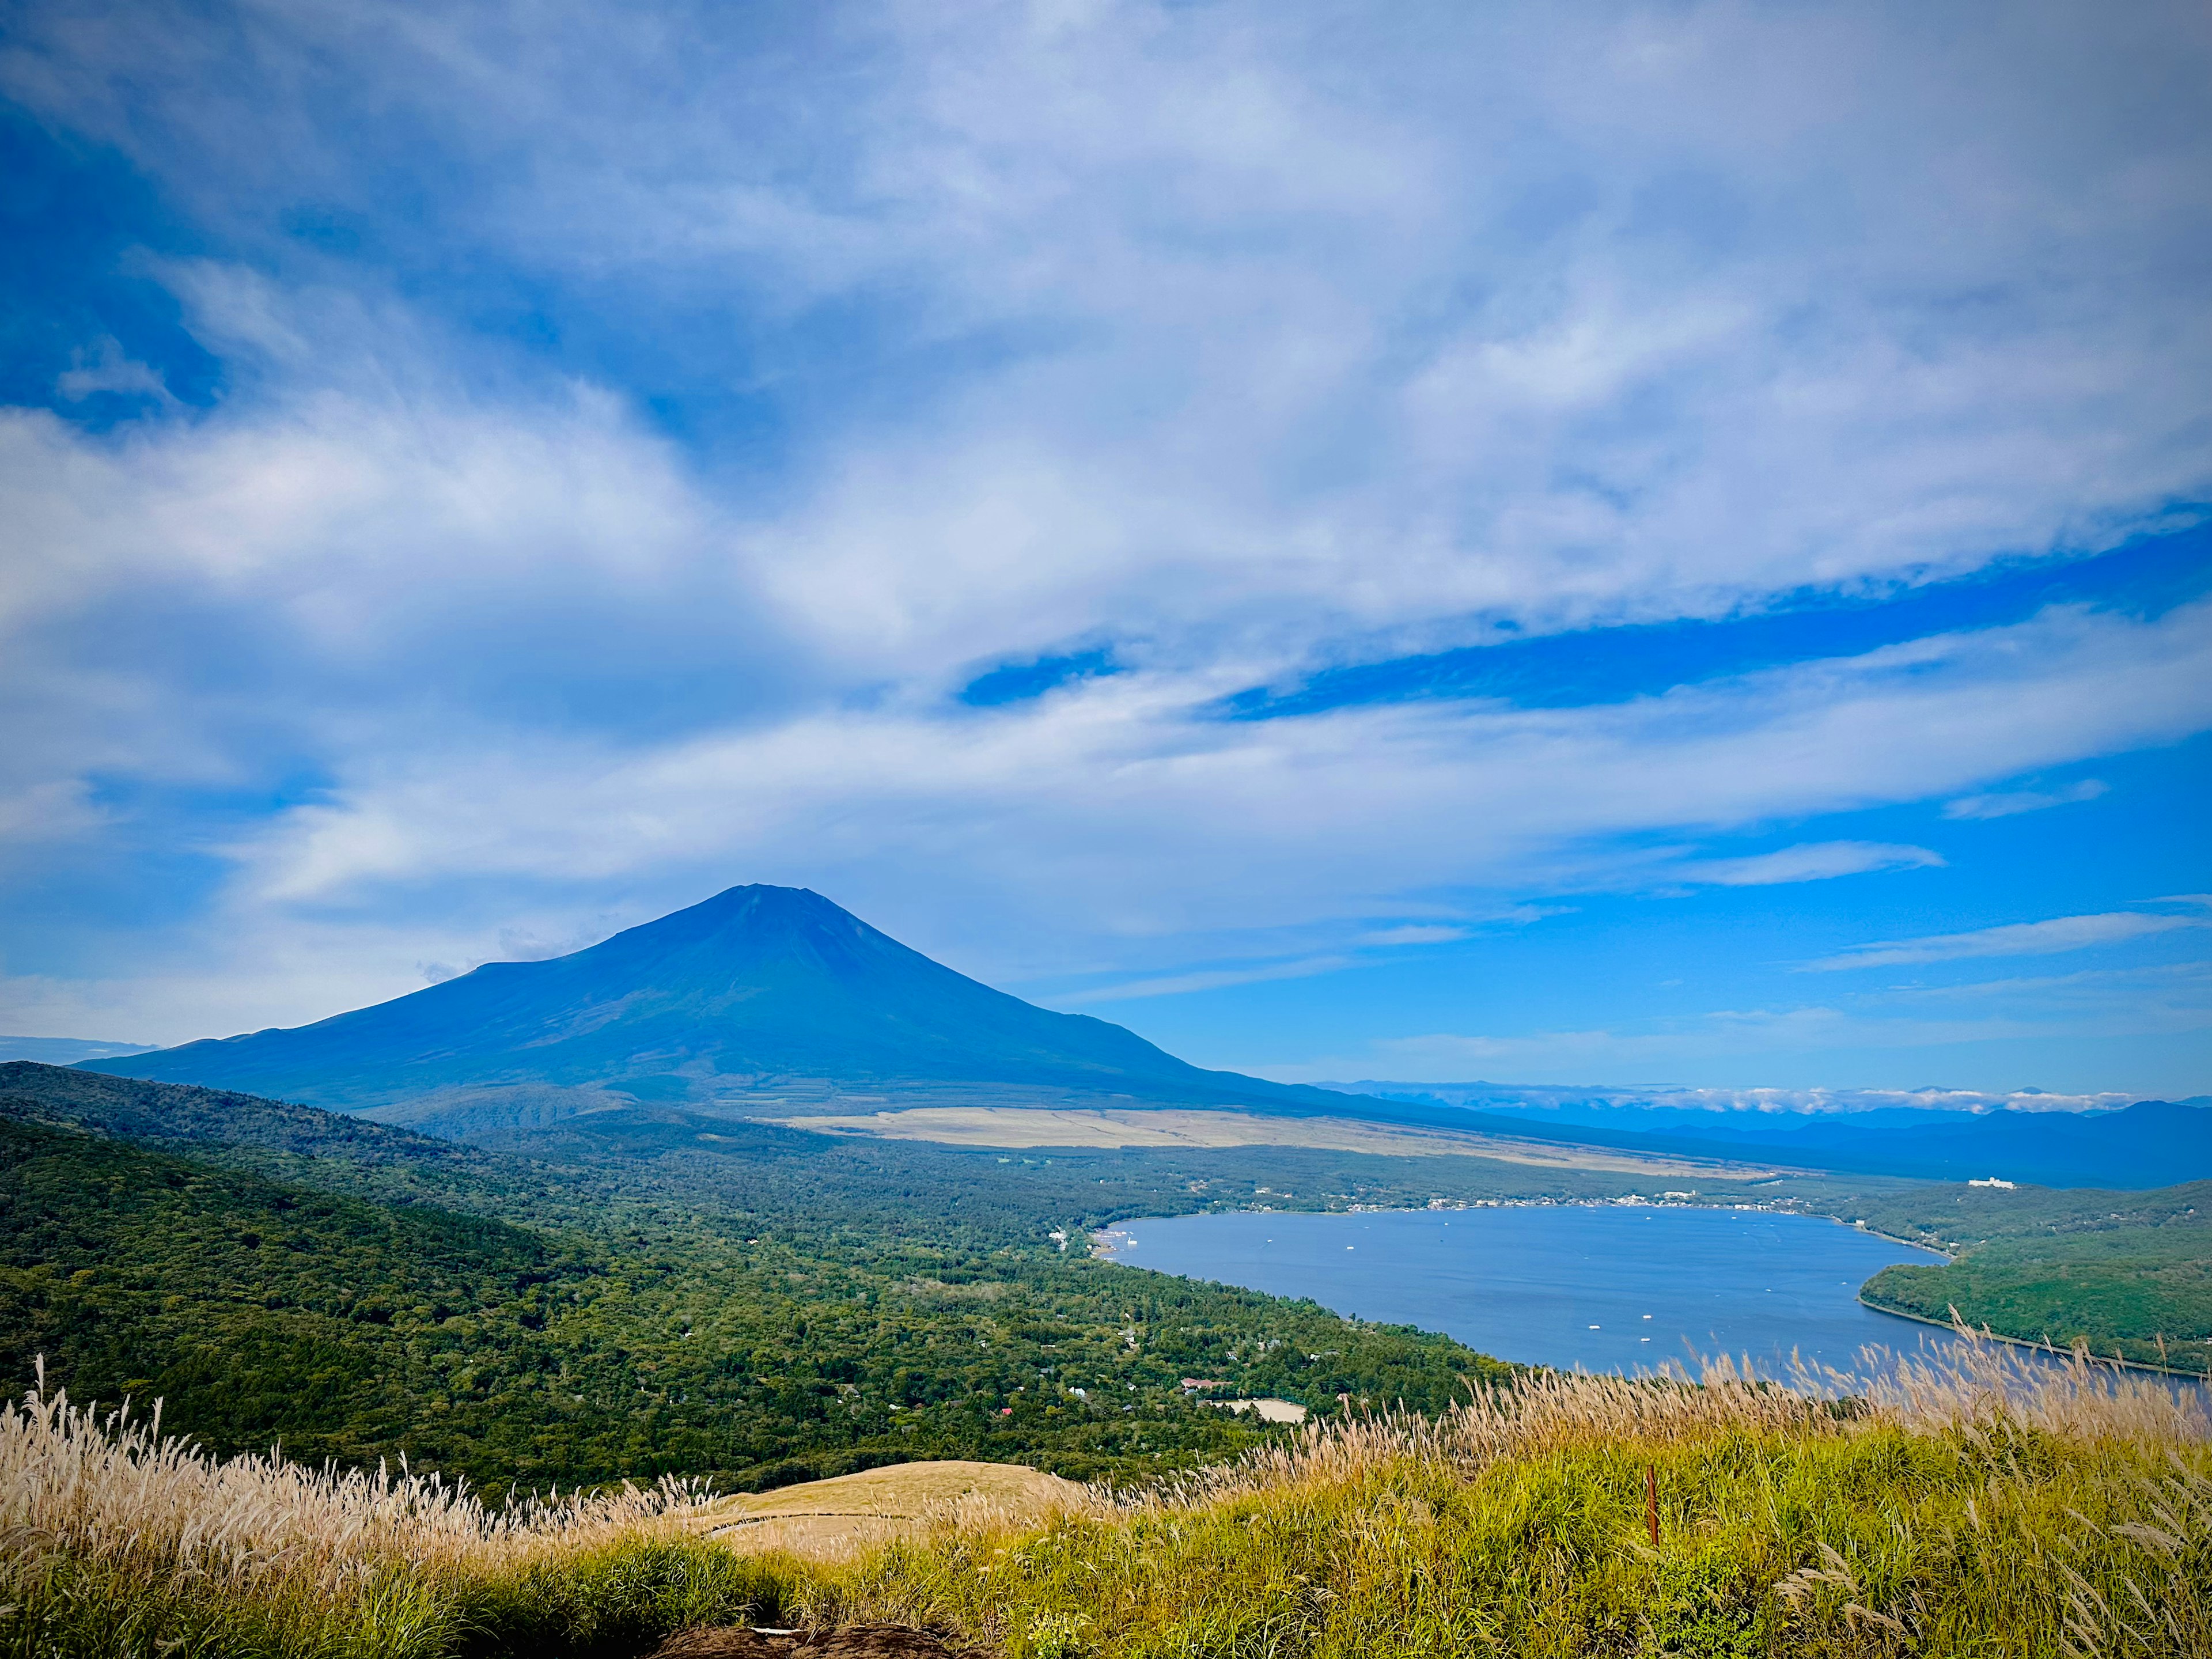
257, 1310
758, 984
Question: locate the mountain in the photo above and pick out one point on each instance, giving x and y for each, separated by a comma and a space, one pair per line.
757, 988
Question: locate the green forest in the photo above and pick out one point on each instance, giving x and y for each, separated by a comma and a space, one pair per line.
2128, 1273
574, 1324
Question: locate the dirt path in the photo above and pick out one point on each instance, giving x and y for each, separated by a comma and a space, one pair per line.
855, 1511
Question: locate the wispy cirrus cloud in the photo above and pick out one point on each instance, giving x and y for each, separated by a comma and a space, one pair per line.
1812, 861
1656, 1050
1414, 933
1170, 985
2024, 938
2006, 805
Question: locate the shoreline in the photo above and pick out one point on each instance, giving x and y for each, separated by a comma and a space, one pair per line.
1104, 1251
1947, 1258
2045, 1348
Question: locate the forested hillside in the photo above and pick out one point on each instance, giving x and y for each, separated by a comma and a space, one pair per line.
2129, 1274
566, 1322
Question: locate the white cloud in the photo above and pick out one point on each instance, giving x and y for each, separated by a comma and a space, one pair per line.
1764, 1100
1172, 985
1812, 861
1301, 968
1567, 351
109, 369
1245, 341
2099, 990
1112, 813
1693, 1043
2024, 938
57, 809
1413, 933
2005, 805
1078, 799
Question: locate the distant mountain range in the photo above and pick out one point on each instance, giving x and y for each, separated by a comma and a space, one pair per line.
773, 1000
2151, 1142
63, 1051
1649, 1105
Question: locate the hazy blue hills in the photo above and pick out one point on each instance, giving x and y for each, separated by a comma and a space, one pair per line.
2152, 1143
755, 985
63, 1051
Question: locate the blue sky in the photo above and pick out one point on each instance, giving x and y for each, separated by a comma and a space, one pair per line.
1641, 543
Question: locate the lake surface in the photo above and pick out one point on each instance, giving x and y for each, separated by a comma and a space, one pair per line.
1608, 1288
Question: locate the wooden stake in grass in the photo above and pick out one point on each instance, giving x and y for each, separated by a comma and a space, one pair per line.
1651, 1503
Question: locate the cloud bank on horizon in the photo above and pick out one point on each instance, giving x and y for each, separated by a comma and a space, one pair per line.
1658, 542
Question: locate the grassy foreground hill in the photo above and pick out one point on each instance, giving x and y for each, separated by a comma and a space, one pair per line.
1986, 1512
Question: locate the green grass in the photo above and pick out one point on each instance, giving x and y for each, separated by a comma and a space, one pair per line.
1548, 1555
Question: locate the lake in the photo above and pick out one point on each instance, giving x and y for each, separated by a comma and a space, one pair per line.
1608, 1288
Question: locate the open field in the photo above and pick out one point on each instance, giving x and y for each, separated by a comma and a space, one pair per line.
1025, 1128
1996, 1509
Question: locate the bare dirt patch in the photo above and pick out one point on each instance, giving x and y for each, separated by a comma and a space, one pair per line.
1024, 1128
838, 1517
851, 1642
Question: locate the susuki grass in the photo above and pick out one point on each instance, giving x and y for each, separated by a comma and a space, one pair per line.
115, 1539
1989, 1505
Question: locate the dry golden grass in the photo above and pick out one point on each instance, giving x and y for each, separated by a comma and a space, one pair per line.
109, 1489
